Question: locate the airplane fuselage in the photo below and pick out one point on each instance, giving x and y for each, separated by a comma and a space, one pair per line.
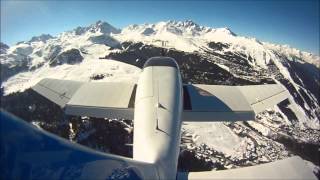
157, 117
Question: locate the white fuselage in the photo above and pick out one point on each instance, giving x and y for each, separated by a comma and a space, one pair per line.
157, 118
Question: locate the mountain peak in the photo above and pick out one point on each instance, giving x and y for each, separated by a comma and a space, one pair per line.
42, 37
104, 27
3, 45
100, 26
3, 48
225, 30
186, 23
189, 23
180, 28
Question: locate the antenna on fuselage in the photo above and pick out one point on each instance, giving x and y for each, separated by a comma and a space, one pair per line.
163, 45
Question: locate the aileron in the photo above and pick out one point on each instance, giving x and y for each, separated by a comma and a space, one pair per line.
262, 97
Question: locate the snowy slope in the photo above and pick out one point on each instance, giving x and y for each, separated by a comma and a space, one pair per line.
34, 57
113, 71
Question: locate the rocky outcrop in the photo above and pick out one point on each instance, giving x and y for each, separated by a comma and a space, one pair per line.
43, 38
8, 70
3, 48
106, 40
72, 56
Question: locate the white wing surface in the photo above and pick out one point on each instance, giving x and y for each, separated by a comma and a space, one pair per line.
290, 168
229, 103
94, 99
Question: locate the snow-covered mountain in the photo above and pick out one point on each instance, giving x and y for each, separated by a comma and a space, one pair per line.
101, 52
3, 48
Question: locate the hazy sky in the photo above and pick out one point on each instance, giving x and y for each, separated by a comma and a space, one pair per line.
291, 22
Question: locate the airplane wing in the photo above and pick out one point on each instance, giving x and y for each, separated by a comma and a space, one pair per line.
94, 99
290, 168
229, 103
201, 102
31, 153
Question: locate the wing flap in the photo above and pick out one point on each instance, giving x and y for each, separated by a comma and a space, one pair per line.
57, 91
100, 112
262, 97
112, 100
215, 103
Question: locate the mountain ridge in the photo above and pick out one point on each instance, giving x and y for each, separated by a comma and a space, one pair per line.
106, 28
